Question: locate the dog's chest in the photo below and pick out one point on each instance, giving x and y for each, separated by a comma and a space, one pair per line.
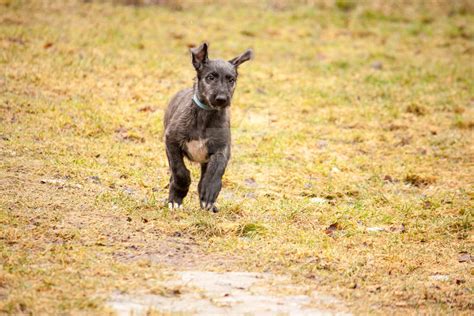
197, 150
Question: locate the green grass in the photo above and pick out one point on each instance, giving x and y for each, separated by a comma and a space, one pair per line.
370, 108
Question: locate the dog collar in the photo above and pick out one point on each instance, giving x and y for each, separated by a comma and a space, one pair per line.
200, 104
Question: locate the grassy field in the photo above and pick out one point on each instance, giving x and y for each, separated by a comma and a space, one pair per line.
353, 151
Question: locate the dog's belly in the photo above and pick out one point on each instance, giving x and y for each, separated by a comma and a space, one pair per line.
197, 150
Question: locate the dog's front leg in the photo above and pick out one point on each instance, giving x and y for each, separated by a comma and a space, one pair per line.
211, 180
180, 176
203, 172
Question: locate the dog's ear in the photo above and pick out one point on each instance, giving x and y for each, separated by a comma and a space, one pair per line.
247, 55
199, 55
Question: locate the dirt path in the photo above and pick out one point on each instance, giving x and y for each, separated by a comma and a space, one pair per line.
228, 293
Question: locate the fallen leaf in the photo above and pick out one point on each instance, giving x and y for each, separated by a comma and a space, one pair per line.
404, 141
147, 108
394, 127
121, 129
460, 281
377, 65
47, 45
416, 109
465, 257
374, 288
389, 178
250, 182
16, 40
418, 181
398, 229
332, 228
427, 204
123, 134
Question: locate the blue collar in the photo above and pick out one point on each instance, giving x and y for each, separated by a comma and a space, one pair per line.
200, 104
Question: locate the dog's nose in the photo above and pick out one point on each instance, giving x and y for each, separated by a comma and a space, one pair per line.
221, 99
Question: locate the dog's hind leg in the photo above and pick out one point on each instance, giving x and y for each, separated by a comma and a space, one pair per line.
180, 176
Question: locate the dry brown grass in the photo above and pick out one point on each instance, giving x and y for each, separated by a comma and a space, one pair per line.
352, 166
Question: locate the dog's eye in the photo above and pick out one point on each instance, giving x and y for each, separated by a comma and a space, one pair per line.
210, 77
231, 80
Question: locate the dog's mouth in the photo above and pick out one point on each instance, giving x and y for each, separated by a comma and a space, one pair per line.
220, 106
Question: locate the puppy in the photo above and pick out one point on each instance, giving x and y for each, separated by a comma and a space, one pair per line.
197, 126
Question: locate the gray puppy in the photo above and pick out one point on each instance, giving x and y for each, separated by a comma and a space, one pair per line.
197, 126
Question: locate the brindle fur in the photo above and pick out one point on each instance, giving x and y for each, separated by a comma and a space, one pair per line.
201, 135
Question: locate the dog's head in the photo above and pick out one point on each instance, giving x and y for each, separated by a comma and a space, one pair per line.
216, 79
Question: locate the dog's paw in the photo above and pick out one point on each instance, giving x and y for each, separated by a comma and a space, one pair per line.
174, 205
209, 195
209, 206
